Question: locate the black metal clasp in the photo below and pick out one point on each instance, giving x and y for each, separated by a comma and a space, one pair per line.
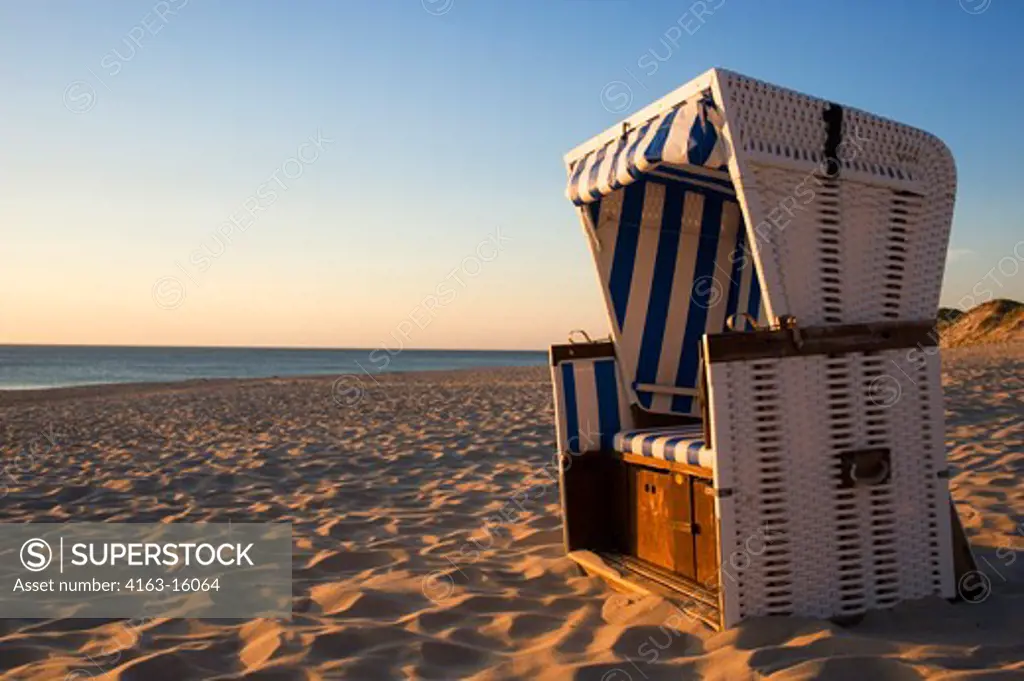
833, 116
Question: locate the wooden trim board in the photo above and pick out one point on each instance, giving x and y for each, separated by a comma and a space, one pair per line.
818, 340
670, 466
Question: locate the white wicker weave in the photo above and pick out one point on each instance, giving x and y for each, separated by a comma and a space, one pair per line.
866, 246
779, 427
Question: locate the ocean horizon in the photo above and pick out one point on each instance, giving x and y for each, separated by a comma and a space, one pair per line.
31, 367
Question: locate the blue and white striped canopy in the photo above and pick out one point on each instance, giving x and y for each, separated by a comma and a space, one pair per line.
684, 141
675, 263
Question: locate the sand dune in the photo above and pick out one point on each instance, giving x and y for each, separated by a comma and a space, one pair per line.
428, 538
997, 321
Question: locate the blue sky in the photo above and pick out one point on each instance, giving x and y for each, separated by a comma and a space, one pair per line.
131, 132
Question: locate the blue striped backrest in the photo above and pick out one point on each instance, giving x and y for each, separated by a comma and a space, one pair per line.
590, 405
674, 261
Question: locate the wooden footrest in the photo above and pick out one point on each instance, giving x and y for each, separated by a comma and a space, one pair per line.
626, 573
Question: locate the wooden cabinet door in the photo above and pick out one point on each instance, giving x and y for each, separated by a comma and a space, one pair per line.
650, 494
681, 521
672, 523
706, 535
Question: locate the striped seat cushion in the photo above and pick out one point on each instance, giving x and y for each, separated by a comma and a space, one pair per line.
684, 444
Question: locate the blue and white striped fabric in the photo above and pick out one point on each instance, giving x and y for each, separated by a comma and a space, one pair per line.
590, 406
684, 444
675, 264
683, 142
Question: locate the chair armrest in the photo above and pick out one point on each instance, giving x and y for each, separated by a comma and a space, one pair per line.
590, 397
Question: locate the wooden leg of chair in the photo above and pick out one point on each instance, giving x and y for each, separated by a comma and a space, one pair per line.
846, 621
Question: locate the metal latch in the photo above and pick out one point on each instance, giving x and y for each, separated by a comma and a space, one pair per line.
788, 323
865, 468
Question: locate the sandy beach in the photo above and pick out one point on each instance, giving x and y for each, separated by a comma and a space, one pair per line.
428, 540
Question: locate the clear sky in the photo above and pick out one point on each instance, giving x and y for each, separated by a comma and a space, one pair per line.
410, 151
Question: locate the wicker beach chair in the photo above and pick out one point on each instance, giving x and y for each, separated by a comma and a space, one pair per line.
762, 433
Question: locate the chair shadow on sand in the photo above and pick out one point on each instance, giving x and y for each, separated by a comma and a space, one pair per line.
875, 648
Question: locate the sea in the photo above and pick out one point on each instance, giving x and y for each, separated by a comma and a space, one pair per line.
24, 367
